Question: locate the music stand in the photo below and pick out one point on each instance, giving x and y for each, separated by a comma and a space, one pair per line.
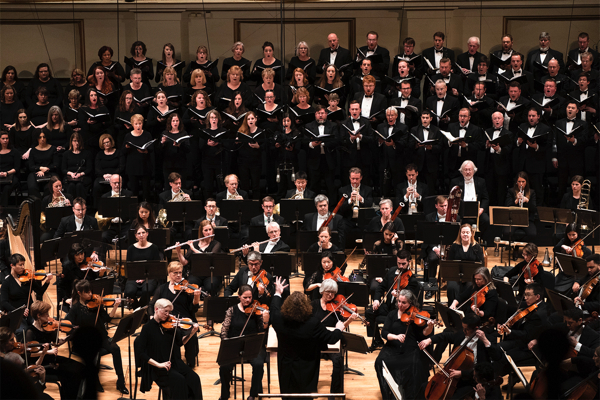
571, 265
184, 210
49, 252
589, 219
127, 327
378, 264
392, 384
312, 261
460, 271
77, 237
304, 239
559, 301
239, 210
358, 290
365, 215
159, 236
440, 233
240, 349
13, 319
511, 217
369, 239
506, 292
55, 214
293, 210
146, 270
451, 318
278, 264
555, 215
411, 224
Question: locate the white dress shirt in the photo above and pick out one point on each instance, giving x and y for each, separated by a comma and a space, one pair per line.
470, 193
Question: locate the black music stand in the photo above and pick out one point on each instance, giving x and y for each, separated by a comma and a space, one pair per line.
146, 270
589, 219
257, 234
411, 225
460, 271
240, 210
355, 343
127, 327
13, 319
378, 264
312, 261
184, 210
104, 285
77, 237
452, 319
55, 214
278, 264
216, 307
293, 210
559, 301
158, 236
239, 350
555, 216
365, 215
304, 239
506, 292
511, 217
369, 239
113, 207
437, 233
49, 252
358, 290
571, 265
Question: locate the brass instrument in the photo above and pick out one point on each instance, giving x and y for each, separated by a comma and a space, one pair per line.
162, 213
296, 196
356, 204
235, 196
103, 223
584, 197
179, 197
412, 208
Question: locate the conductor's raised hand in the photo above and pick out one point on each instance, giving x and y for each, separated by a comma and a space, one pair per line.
280, 285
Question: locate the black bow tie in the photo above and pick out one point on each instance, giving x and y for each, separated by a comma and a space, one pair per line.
571, 120
439, 51
355, 120
333, 51
532, 126
586, 92
506, 52
548, 98
426, 130
404, 98
582, 51
543, 51
320, 123
511, 101
368, 97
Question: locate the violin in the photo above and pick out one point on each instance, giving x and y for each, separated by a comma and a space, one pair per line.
261, 279
38, 275
340, 304
256, 308
400, 282
189, 288
419, 318
107, 301
173, 322
96, 266
479, 297
531, 270
52, 325
516, 317
578, 250
336, 275
588, 287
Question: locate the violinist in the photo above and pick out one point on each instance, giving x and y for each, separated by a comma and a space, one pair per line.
15, 293
67, 370
237, 323
143, 250
87, 313
397, 278
401, 352
588, 289
317, 278
475, 340
565, 284
479, 298
528, 271
253, 275
322, 309
324, 243
464, 248
74, 268
521, 328
185, 305
158, 348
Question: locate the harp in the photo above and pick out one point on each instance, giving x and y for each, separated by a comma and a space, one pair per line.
24, 233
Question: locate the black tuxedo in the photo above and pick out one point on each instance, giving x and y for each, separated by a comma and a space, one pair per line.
527, 89
496, 63
574, 56
481, 113
241, 278
308, 194
558, 109
366, 192
571, 158
392, 159
167, 195
356, 85
342, 58
491, 82
67, 225
411, 119
533, 62
429, 54
462, 60
589, 117
279, 246
310, 222
453, 81
392, 92
482, 197
450, 103
322, 166
496, 168
427, 161
529, 160
223, 195
520, 113
422, 189
379, 69
379, 104
474, 139
259, 220
351, 156
218, 220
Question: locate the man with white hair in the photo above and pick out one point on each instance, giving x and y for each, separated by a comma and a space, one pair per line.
273, 245
537, 60
467, 61
473, 189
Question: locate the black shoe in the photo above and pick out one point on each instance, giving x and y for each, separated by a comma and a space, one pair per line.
376, 344
122, 388
428, 295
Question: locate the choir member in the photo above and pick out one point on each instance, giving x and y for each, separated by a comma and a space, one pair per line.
549, 102
372, 105
432, 57
156, 122
407, 116
501, 58
267, 61
482, 100
43, 164
108, 163
236, 60
23, 134
139, 61
138, 162
175, 148
373, 49
299, 80
356, 82
444, 106
302, 60
426, 156
38, 111
287, 143
414, 61
514, 107
226, 92
356, 143
78, 83
538, 59
197, 82
203, 62
587, 61
522, 195
42, 78
10, 166
467, 149
94, 120
250, 153
10, 77
468, 61
9, 106
71, 110
57, 130
171, 86
392, 142
77, 167
168, 60
126, 109
109, 95
302, 109
497, 159
575, 55
105, 54
212, 149
141, 91
517, 74
335, 55
562, 83
452, 81
330, 80
586, 110
402, 74
268, 85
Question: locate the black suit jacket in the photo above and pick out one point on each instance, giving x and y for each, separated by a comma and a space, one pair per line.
529, 328
279, 246
430, 55
411, 119
529, 160
496, 63
463, 61
391, 91
480, 190
241, 278
482, 110
165, 196
388, 281
382, 68
223, 195
67, 224
351, 156
491, 81
567, 153
310, 222
422, 189
450, 103
558, 109
330, 143
259, 220
473, 137
520, 113
308, 194
365, 191
219, 221
379, 104
421, 156
533, 62
499, 163
342, 58
390, 156
455, 82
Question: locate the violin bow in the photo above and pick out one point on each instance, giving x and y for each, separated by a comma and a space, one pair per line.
174, 336
99, 306
30, 287
248, 319
525, 269
337, 307
474, 295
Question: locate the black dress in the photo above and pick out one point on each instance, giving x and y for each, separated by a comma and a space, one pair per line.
145, 66
133, 290
489, 306
41, 158
175, 158
177, 65
81, 162
456, 252
229, 62
225, 94
115, 69
250, 162
23, 140
155, 343
337, 359
14, 295
38, 115
516, 270
9, 161
234, 322
105, 164
139, 166
91, 132
204, 282
407, 364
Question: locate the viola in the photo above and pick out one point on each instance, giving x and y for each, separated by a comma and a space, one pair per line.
38, 275
173, 322
336, 275
578, 250
256, 308
479, 298
340, 304
419, 318
532, 269
52, 325
261, 279
189, 288
519, 315
107, 301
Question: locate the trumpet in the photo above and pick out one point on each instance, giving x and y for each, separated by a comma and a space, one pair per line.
356, 204
412, 208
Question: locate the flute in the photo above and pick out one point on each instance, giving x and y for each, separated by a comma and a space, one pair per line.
264, 241
184, 243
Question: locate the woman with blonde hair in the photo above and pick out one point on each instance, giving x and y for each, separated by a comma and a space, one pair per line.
197, 82
303, 61
171, 86
234, 84
236, 60
139, 163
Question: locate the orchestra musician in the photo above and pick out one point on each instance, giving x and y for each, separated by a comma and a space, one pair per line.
54, 199
320, 311
185, 305
522, 195
464, 248
401, 352
268, 204
592, 302
74, 268
530, 253
301, 189
324, 243
116, 190
390, 244
145, 217
67, 370
84, 315
159, 350
253, 275
475, 340
571, 199
483, 297
474, 189
231, 191
398, 278
411, 190
15, 294
300, 339
143, 250
239, 321
314, 221
316, 279
79, 221
386, 207
211, 215
564, 283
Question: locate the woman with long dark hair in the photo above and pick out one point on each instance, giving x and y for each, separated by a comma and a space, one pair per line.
77, 168
9, 106
126, 109
43, 164
109, 94
57, 130
175, 148
107, 163
145, 217
94, 119
521, 195
563, 282
252, 141
168, 60
23, 134
11, 78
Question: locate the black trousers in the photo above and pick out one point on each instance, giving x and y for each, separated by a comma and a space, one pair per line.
180, 382
226, 372
7, 189
250, 178
114, 350
337, 375
133, 290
